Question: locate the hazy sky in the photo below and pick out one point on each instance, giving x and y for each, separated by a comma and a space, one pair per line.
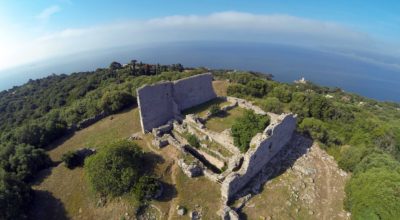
37, 30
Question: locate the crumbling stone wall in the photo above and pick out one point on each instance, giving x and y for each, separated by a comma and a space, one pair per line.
164, 101
263, 147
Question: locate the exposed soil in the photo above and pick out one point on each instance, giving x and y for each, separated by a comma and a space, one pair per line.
311, 188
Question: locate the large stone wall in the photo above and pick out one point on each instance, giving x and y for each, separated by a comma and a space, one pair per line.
193, 91
155, 104
162, 102
263, 147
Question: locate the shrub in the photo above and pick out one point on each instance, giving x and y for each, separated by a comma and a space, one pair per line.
146, 188
72, 159
283, 93
272, 104
115, 170
374, 194
215, 109
314, 128
350, 157
245, 127
193, 140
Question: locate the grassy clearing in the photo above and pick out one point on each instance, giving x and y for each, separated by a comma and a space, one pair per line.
198, 191
220, 87
108, 130
216, 147
223, 122
68, 190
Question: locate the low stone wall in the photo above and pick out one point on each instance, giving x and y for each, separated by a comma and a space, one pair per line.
89, 121
246, 105
264, 146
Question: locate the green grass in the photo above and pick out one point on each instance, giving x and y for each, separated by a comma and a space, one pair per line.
197, 191
221, 123
70, 187
106, 131
216, 147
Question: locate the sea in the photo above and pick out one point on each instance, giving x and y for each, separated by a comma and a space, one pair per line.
286, 63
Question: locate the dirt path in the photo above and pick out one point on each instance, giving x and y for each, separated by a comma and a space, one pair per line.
326, 176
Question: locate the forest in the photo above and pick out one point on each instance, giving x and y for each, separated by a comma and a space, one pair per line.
362, 134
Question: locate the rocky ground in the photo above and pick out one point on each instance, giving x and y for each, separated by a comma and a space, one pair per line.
302, 182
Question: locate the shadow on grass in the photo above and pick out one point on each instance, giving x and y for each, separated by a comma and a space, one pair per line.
169, 192
150, 161
46, 206
203, 107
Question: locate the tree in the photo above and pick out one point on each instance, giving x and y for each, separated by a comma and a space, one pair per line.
314, 128
115, 66
23, 160
146, 188
133, 67
15, 197
283, 93
113, 101
116, 169
272, 104
245, 127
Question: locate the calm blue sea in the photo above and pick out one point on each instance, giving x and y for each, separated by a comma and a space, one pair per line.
286, 63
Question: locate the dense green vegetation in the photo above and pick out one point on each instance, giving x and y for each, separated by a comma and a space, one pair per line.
362, 134
374, 190
41, 111
15, 197
116, 169
245, 127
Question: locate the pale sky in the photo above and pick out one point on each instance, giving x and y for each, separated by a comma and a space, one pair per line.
32, 31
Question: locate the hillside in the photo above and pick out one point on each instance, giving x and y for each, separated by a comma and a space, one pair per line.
49, 117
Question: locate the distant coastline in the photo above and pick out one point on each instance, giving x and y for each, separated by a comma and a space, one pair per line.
286, 63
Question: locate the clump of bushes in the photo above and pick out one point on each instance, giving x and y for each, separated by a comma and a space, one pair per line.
23, 161
146, 188
115, 170
193, 140
272, 104
118, 169
71, 159
215, 109
74, 159
245, 127
373, 191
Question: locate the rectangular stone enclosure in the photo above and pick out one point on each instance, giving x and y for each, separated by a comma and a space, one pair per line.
164, 101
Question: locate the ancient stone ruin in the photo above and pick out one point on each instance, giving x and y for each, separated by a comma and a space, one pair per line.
216, 157
164, 101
